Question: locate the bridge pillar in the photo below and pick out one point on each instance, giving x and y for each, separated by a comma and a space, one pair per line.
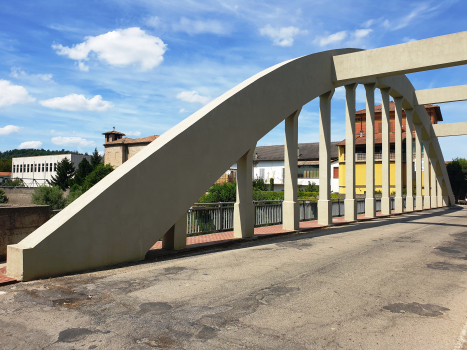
349, 202
418, 165
324, 202
370, 209
290, 208
434, 199
385, 198
175, 237
439, 191
399, 202
426, 172
244, 209
409, 159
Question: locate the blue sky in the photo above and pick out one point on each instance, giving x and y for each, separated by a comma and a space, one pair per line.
72, 70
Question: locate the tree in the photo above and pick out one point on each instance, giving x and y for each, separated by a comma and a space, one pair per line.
65, 173
49, 195
3, 197
312, 187
14, 183
457, 172
259, 185
5, 165
96, 159
84, 169
271, 184
99, 172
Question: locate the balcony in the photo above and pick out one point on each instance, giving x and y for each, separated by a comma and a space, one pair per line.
361, 157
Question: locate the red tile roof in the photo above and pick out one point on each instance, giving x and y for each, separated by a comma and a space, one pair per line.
361, 140
127, 140
5, 173
113, 132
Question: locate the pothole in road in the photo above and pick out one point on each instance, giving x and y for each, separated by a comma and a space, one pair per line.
446, 266
427, 310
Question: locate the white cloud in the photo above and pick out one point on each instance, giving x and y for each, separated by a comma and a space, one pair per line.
421, 12
182, 110
133, 133
193, 96
330, 39
72, 141
11, 94
192, 27
153, 21
408, 40
19, 73
283, 36
368, 23
83, 67
75, 102
9, 129
120, 47
361, 33
30, 144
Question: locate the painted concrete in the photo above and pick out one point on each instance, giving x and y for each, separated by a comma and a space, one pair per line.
370, 205
450, 129
441, 95
349, 202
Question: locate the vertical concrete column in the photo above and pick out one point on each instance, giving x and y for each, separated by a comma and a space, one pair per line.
244, 209
418, 166
349, 202
434, 199
324, 202
385, 199
439, 191
409, 159
426, 172
399, 202
370, 209
290, 208
175, 237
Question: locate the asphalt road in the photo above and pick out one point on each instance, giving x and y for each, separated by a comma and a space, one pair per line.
396, 283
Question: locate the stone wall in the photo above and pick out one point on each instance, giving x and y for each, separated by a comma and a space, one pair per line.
114, 155
16, 222
19, 195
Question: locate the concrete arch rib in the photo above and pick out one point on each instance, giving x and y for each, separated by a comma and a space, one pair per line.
120, 218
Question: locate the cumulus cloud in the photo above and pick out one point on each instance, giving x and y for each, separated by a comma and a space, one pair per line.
331, 39
283, 36
11, 94
19, 73
75, 102
9, 129
121, 47
192, 27
182, 110
361, 33
72, 141
193, 96
133, 133
30, 144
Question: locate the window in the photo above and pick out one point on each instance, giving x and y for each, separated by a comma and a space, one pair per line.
308, 172
55, 166
335, 172
261, 173
21, 168
27, 167
380, 128
43, 167
50, 167
46, 167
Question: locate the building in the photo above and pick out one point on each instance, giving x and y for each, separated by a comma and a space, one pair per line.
360, 148
268, 163
37, 170
119, 149
4, 177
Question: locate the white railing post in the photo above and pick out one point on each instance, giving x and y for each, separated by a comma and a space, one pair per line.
349, 202
370, 209
409, 159
324, 202
291, 210
244, 209
399, 202
385, 198
426, 172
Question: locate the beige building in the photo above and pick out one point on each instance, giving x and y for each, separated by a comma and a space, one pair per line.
119, 149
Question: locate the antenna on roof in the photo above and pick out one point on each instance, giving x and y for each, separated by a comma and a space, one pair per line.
114, 128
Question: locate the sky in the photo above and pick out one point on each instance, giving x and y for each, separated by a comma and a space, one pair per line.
71, 70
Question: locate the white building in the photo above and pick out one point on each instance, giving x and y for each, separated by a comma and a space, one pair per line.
35, 171
268, 162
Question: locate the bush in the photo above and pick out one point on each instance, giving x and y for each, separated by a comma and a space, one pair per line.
99, 172
259, 185
45, 195
271, 184
3, 197
75, 192
14, 183
226, 192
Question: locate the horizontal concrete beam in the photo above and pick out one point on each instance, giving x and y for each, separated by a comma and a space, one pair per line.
441, 95
450, 129
416, 56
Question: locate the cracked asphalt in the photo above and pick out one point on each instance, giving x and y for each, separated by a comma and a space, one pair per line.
396, 283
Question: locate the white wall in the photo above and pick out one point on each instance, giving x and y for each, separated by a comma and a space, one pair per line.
38, 177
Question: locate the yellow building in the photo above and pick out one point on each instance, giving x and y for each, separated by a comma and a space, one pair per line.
360, 150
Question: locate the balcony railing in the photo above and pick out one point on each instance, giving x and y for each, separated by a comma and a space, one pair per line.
361, 157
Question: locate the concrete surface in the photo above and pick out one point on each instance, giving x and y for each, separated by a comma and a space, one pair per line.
450, 129
19, 195
441, 95
398, 283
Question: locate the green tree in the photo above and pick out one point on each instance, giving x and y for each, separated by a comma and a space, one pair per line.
5, 165
271, 184
312, 187
3, 197
84, 169
14, 183
259, 185
49, 195
226, 192
65, 173
97, 175
96, 159
75, 192
457, 172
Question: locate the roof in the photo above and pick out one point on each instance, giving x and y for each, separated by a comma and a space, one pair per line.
308, 151
392, 108
127, 140
361, 140
113, 132
5, 173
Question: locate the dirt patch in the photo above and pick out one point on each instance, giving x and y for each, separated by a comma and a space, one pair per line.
426, 310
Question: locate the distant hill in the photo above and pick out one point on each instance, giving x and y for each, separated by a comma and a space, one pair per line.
32, 152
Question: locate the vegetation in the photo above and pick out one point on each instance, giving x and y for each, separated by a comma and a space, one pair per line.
457, 171
311, 187
49, 195
14, 183
259, 185
75, 192
96, 158
31, 153
99, 172
271, 184
3, 197
84, 169
5, 165
65, 173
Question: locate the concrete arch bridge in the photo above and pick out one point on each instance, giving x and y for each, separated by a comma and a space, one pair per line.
121, 217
